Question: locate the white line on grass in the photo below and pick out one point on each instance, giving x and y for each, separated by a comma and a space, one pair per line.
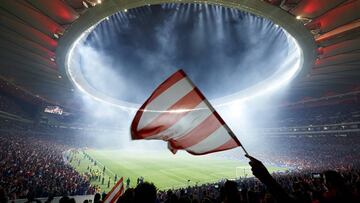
101, 164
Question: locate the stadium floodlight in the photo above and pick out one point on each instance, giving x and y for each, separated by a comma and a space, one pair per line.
85, 4
298, 61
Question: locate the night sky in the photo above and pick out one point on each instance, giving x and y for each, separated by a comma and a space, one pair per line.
222, 50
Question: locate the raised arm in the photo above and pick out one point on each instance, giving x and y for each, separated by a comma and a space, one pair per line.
259, 171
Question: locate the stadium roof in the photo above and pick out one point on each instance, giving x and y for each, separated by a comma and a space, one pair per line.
31, 30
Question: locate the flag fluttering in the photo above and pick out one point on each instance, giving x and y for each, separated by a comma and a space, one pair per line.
178, 113
115, 192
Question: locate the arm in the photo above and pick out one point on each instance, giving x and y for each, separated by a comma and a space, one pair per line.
259, 171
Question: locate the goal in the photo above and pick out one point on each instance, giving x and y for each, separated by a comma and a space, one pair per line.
242, 171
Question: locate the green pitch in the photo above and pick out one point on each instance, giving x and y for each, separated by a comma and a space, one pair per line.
164, 169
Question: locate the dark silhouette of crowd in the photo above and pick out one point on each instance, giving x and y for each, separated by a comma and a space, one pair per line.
15, 106
327, 187
8, 105
35, 166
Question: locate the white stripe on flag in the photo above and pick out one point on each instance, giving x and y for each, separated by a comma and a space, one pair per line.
198, 130
118, 194
165, 101
110, 197
213, 141
185, 124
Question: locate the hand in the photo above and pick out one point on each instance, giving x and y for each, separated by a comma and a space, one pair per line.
258, 169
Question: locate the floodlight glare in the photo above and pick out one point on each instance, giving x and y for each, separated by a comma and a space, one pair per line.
300, 55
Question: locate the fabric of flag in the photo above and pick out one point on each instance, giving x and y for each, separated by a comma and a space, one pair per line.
115, 192
178, 113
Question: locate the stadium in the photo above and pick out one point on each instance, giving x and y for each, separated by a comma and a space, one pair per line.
180, 101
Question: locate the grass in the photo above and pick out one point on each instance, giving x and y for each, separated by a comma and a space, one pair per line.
164, 169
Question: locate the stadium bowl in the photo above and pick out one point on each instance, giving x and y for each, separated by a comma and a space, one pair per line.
298, 36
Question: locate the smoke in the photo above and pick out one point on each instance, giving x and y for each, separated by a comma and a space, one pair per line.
222, 50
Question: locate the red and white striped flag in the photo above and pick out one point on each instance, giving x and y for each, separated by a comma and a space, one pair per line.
115, 192
177, 112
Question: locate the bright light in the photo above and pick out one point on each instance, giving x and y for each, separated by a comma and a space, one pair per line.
237, 108
289, 69
291, 66
298, 17
99, 1
85, 4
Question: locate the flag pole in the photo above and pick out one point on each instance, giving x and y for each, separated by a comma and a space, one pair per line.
242, 147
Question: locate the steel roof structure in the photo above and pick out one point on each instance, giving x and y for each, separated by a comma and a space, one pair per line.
34, 37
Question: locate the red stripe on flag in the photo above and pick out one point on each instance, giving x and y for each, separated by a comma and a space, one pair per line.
116, 197
133, 129
196, 135
164, 120
172, 80
228, 145
112, 190
218, 117
233, 136
216, 114
168, 119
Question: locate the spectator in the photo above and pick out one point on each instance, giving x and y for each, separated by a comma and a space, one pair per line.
97, 198
127, 197
37, 165
145, 193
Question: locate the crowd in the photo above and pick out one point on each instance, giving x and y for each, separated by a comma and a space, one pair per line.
6, 124
303, 187
35, 166
319, 115
309, 181
310, 152
11, 105
32, 164
327, 187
